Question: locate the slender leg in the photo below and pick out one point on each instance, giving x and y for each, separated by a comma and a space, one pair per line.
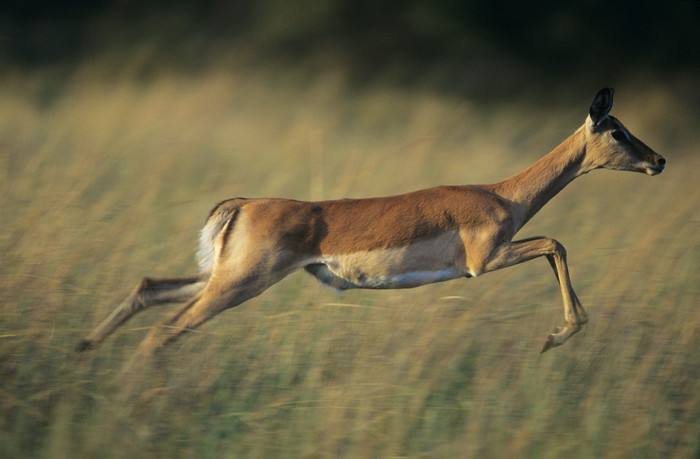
517, 252
220, 294
147, 293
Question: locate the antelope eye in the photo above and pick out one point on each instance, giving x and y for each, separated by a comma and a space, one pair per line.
619, 135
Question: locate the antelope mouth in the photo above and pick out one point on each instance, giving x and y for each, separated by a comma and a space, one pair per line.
654, 170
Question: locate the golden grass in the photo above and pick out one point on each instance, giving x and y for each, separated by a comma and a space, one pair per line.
107, 179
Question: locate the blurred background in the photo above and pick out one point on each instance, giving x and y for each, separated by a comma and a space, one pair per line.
123, 122
465, 46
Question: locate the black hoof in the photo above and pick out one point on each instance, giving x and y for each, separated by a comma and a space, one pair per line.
83, 346
547, 345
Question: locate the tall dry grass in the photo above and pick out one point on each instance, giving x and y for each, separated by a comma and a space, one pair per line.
106, 179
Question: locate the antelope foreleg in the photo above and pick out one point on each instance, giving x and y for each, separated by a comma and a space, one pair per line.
516, 252
574, 314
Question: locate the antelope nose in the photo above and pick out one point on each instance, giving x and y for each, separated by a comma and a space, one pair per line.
661, 161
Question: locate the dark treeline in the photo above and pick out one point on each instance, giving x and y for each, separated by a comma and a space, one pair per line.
567, 37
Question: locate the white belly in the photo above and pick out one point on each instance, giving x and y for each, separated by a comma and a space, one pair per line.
434, 260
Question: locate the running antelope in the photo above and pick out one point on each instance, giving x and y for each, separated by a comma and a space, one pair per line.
403, 241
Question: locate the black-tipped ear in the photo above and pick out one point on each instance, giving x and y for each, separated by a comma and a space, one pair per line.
601, 105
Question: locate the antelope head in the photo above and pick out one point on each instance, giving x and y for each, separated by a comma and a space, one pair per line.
610, 145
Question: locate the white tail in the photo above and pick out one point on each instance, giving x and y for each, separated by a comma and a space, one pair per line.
220, 217
401, 241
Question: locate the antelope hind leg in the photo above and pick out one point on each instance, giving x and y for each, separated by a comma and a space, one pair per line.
147, 293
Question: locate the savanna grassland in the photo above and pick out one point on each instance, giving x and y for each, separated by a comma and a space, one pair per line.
107, 178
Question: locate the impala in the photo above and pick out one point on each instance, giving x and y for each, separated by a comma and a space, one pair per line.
403, 241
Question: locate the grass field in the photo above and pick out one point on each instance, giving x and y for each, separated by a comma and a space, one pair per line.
106, 179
